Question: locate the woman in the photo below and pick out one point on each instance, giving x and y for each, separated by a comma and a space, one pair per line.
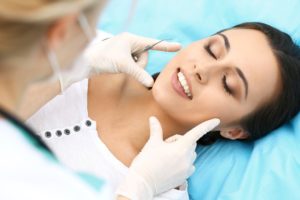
243, 75
36, 38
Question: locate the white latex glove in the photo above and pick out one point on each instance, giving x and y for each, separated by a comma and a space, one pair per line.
162, 166
114, 55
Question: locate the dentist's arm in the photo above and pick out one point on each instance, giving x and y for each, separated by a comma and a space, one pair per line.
109, 56
162, 166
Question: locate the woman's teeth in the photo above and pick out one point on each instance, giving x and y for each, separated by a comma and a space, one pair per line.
184, 84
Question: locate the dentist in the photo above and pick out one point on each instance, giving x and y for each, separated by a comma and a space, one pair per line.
38, 40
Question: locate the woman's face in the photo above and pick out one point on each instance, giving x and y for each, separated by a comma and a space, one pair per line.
227, 76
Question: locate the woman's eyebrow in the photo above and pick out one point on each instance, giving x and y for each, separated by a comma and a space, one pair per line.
226, 41
242, 76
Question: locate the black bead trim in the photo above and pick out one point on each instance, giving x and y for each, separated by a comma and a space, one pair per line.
58, 133
76, 128
67, 131
88, 123
48, 134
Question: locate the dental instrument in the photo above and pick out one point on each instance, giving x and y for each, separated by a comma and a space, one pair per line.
147, 48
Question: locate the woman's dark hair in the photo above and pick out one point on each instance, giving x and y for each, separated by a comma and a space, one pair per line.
286, 105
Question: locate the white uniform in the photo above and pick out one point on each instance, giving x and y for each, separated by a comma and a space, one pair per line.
66, 128
29, 173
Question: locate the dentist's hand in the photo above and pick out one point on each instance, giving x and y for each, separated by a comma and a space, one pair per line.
114, 55
161, 165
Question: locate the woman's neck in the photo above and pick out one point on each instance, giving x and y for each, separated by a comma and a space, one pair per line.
124, 111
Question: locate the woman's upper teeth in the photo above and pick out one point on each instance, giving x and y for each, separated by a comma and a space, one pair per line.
184, 84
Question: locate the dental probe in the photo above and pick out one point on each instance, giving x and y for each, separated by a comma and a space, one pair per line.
147, 48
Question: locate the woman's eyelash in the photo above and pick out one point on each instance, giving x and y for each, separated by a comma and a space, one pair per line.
207, 48
226, 88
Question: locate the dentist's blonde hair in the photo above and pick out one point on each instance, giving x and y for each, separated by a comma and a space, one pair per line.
23, 22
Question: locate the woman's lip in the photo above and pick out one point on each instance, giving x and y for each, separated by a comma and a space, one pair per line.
188, 81
177, 86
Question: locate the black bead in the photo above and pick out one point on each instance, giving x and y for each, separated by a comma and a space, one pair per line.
76, 128
58, 133
88, 123
67, 131
48, 134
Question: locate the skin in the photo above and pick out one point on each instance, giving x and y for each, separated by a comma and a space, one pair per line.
111, 97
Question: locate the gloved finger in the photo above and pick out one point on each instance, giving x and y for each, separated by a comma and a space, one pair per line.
143, 42
131, 68
191, 171
194, 156
142, 60
173, 138
191, 155
156, 132
197, 132
193, 147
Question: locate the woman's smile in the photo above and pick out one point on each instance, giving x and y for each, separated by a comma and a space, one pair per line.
181, 84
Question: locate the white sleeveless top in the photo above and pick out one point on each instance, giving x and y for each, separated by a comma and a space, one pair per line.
65, 126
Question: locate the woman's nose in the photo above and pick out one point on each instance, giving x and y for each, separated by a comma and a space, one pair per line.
201, 75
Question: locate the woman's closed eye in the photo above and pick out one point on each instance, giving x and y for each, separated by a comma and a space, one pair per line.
226, 87
209, 51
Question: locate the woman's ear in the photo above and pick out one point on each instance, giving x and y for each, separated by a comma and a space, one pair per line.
234, 133
59, 30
